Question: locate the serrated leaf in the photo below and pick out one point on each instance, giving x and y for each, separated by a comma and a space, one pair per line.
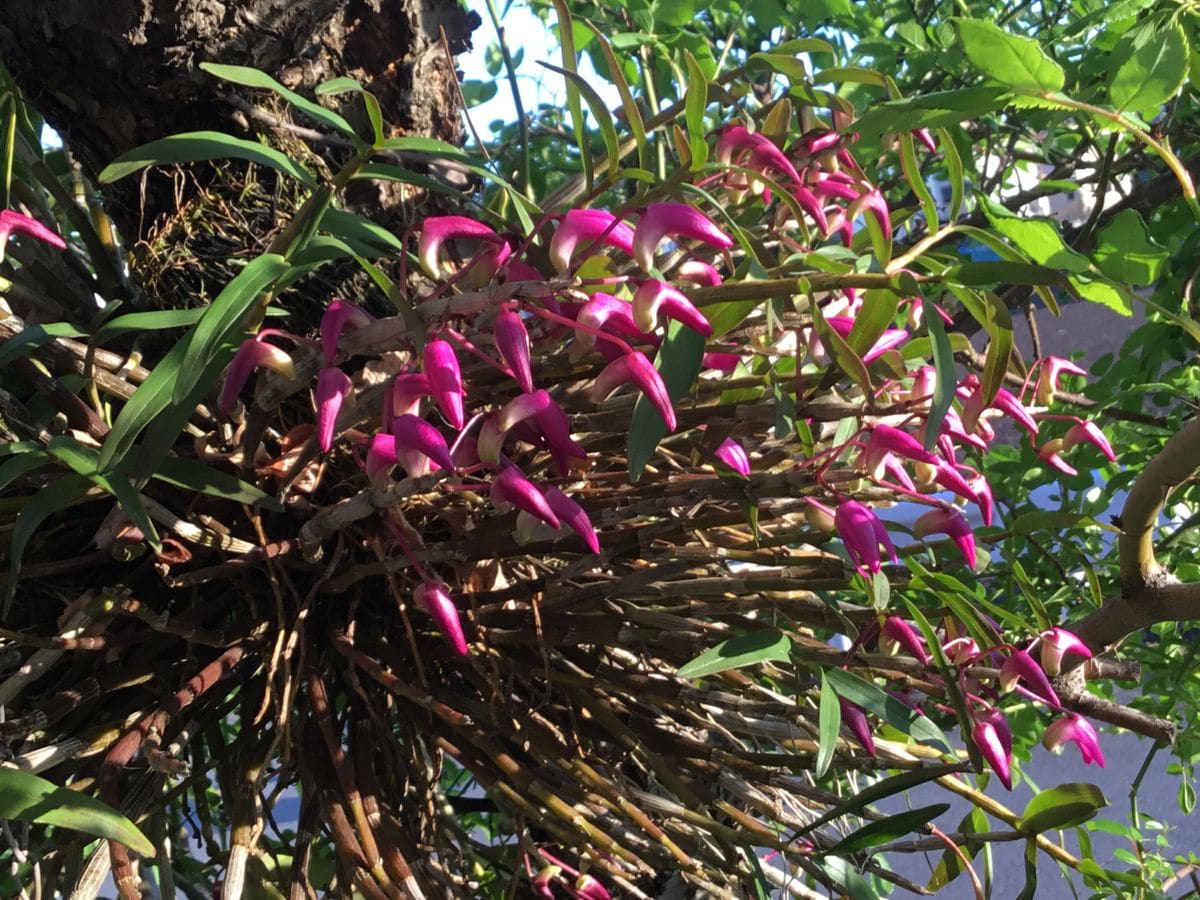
27, 797
678, 361
1018, 62
1100, 290
750, 649
1038, 238
1152, 74
829, 725
1061, 807
883, 830
1125, 251
244, 75
197, 146
937, 109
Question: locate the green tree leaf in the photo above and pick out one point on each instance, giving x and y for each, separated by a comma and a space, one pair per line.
1125, 251
1152, 73
1018, 62
1061, 807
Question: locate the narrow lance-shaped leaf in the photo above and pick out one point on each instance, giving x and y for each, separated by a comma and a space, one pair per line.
695, 101
244, 75
829, 723
196, 146
744, 650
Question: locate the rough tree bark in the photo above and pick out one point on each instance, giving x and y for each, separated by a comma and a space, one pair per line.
111, 75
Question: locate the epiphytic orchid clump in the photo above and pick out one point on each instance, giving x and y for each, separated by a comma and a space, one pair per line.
528, 372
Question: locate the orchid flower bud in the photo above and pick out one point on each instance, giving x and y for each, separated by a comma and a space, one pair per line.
445, 380
654, 296
1072, 727
993, 737
1050, 452
588, 888
862, 532
856, 720
13, 222
897, 635
808, 202
636, 368
697, 272
734, 455
581, 227
333, 387
951, 522
338, 316
436, 600
510, 488
1020, 666
381, 456
661, 220
251, 355
512, 340
1048, 375
1057, 643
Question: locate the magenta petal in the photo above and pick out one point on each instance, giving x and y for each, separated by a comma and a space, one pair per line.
1089, 433
635, 367
556, 429
445, 380
950, 522
252, 354
333, 386
512, 488
436, 600
1072, 727
697, 272
1014, 409
338, 316
993, 737
581, 227
381, 456
810, 204
734, 455
660, 220
897, 634
415, 434
654, 296
1057, 643
12, 222
512, 340
436, 230
862, 532
404, 396
856, 721
1047, 383
1020, 666
573, 516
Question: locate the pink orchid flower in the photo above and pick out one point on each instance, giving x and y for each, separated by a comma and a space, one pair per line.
339, 316
993, 737
734, 455
436, 599
889, 340
1088, 433
574, 516
404, 396
654, 296
510, 488
437, 230
416, 436
1050, 453
856, 720
897, 635
970, 389
512, 340
445, 380
1051, 368
862, 532
1057, 643
637, 369
13, 222
1020, 666
587, 226
697, 272
661, 220
603, 312
951, 522
333, 387
1072, 727
588, 888
253, 354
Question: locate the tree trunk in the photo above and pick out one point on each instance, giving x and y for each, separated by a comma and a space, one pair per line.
112, 75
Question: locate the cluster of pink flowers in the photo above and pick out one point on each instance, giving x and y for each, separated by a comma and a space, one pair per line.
432, 422
1018, 670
